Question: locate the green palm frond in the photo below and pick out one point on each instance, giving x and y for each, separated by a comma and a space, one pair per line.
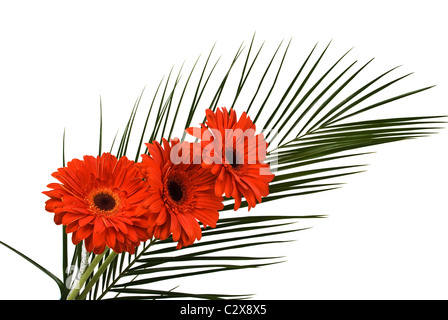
311, 125
209, 255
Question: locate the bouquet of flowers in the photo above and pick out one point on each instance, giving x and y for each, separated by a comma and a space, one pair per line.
162, 210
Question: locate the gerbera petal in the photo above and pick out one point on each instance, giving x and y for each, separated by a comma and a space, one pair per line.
69, 217
120, 226
97, 199
100, 249
84, 231
228, 188
216, 169
99, 238
252, 177
237, 197
71, 227
175, 228
207, 217
110, 237
219, 187
58, 218
85, 220
161, 219
99, 225
179, 194
132, 234
89, 243
191, 227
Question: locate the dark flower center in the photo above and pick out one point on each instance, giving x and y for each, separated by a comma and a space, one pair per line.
233, 159
175, 190
104, 201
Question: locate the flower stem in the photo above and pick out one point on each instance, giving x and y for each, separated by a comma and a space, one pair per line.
84, 275
64, 255
97, 275
84, 261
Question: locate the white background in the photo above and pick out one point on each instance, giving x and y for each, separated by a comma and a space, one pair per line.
385, 236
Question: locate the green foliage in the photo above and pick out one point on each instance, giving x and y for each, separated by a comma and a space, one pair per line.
308, 128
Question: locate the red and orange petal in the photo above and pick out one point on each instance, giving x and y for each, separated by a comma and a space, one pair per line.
181, 193
250, 177
97, 199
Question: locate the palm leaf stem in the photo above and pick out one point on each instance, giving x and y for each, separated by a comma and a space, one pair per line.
97, 274
85, 275
107, 289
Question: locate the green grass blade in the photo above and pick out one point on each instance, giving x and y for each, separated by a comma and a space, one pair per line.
181, 98
218, 93
335, 118
139, 147
34, 263
189, 274
263, 77
321, 123
401, 96
330, 99
171, 101
298, 91
245, 75
144, 294
311, 105
291, 85
198, 91
260, 110
307, 94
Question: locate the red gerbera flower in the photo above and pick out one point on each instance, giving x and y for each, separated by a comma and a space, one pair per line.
97, 199
181, 193
234, 154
